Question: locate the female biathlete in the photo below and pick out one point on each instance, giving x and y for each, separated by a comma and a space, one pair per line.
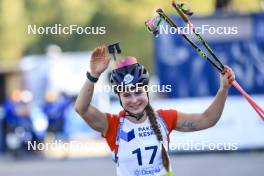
138, 134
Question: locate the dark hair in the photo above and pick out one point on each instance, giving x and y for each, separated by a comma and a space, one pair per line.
156, 128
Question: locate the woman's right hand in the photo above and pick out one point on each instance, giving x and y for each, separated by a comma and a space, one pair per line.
99, 61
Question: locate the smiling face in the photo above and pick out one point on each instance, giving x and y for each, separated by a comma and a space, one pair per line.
134, 101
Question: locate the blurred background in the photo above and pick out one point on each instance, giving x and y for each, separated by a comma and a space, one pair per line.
41, 75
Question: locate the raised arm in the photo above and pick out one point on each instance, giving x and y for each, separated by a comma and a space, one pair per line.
207, 119
92, 116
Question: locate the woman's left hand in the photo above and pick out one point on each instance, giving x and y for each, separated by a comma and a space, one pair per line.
227, 77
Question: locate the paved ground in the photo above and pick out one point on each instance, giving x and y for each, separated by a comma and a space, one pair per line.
224, 164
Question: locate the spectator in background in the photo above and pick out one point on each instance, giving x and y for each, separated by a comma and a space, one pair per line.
54, 107
24, 121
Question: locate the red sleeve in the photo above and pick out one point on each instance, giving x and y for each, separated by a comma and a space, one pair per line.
110, 135
169, 117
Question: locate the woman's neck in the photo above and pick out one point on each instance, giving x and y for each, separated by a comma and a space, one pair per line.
134, 120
